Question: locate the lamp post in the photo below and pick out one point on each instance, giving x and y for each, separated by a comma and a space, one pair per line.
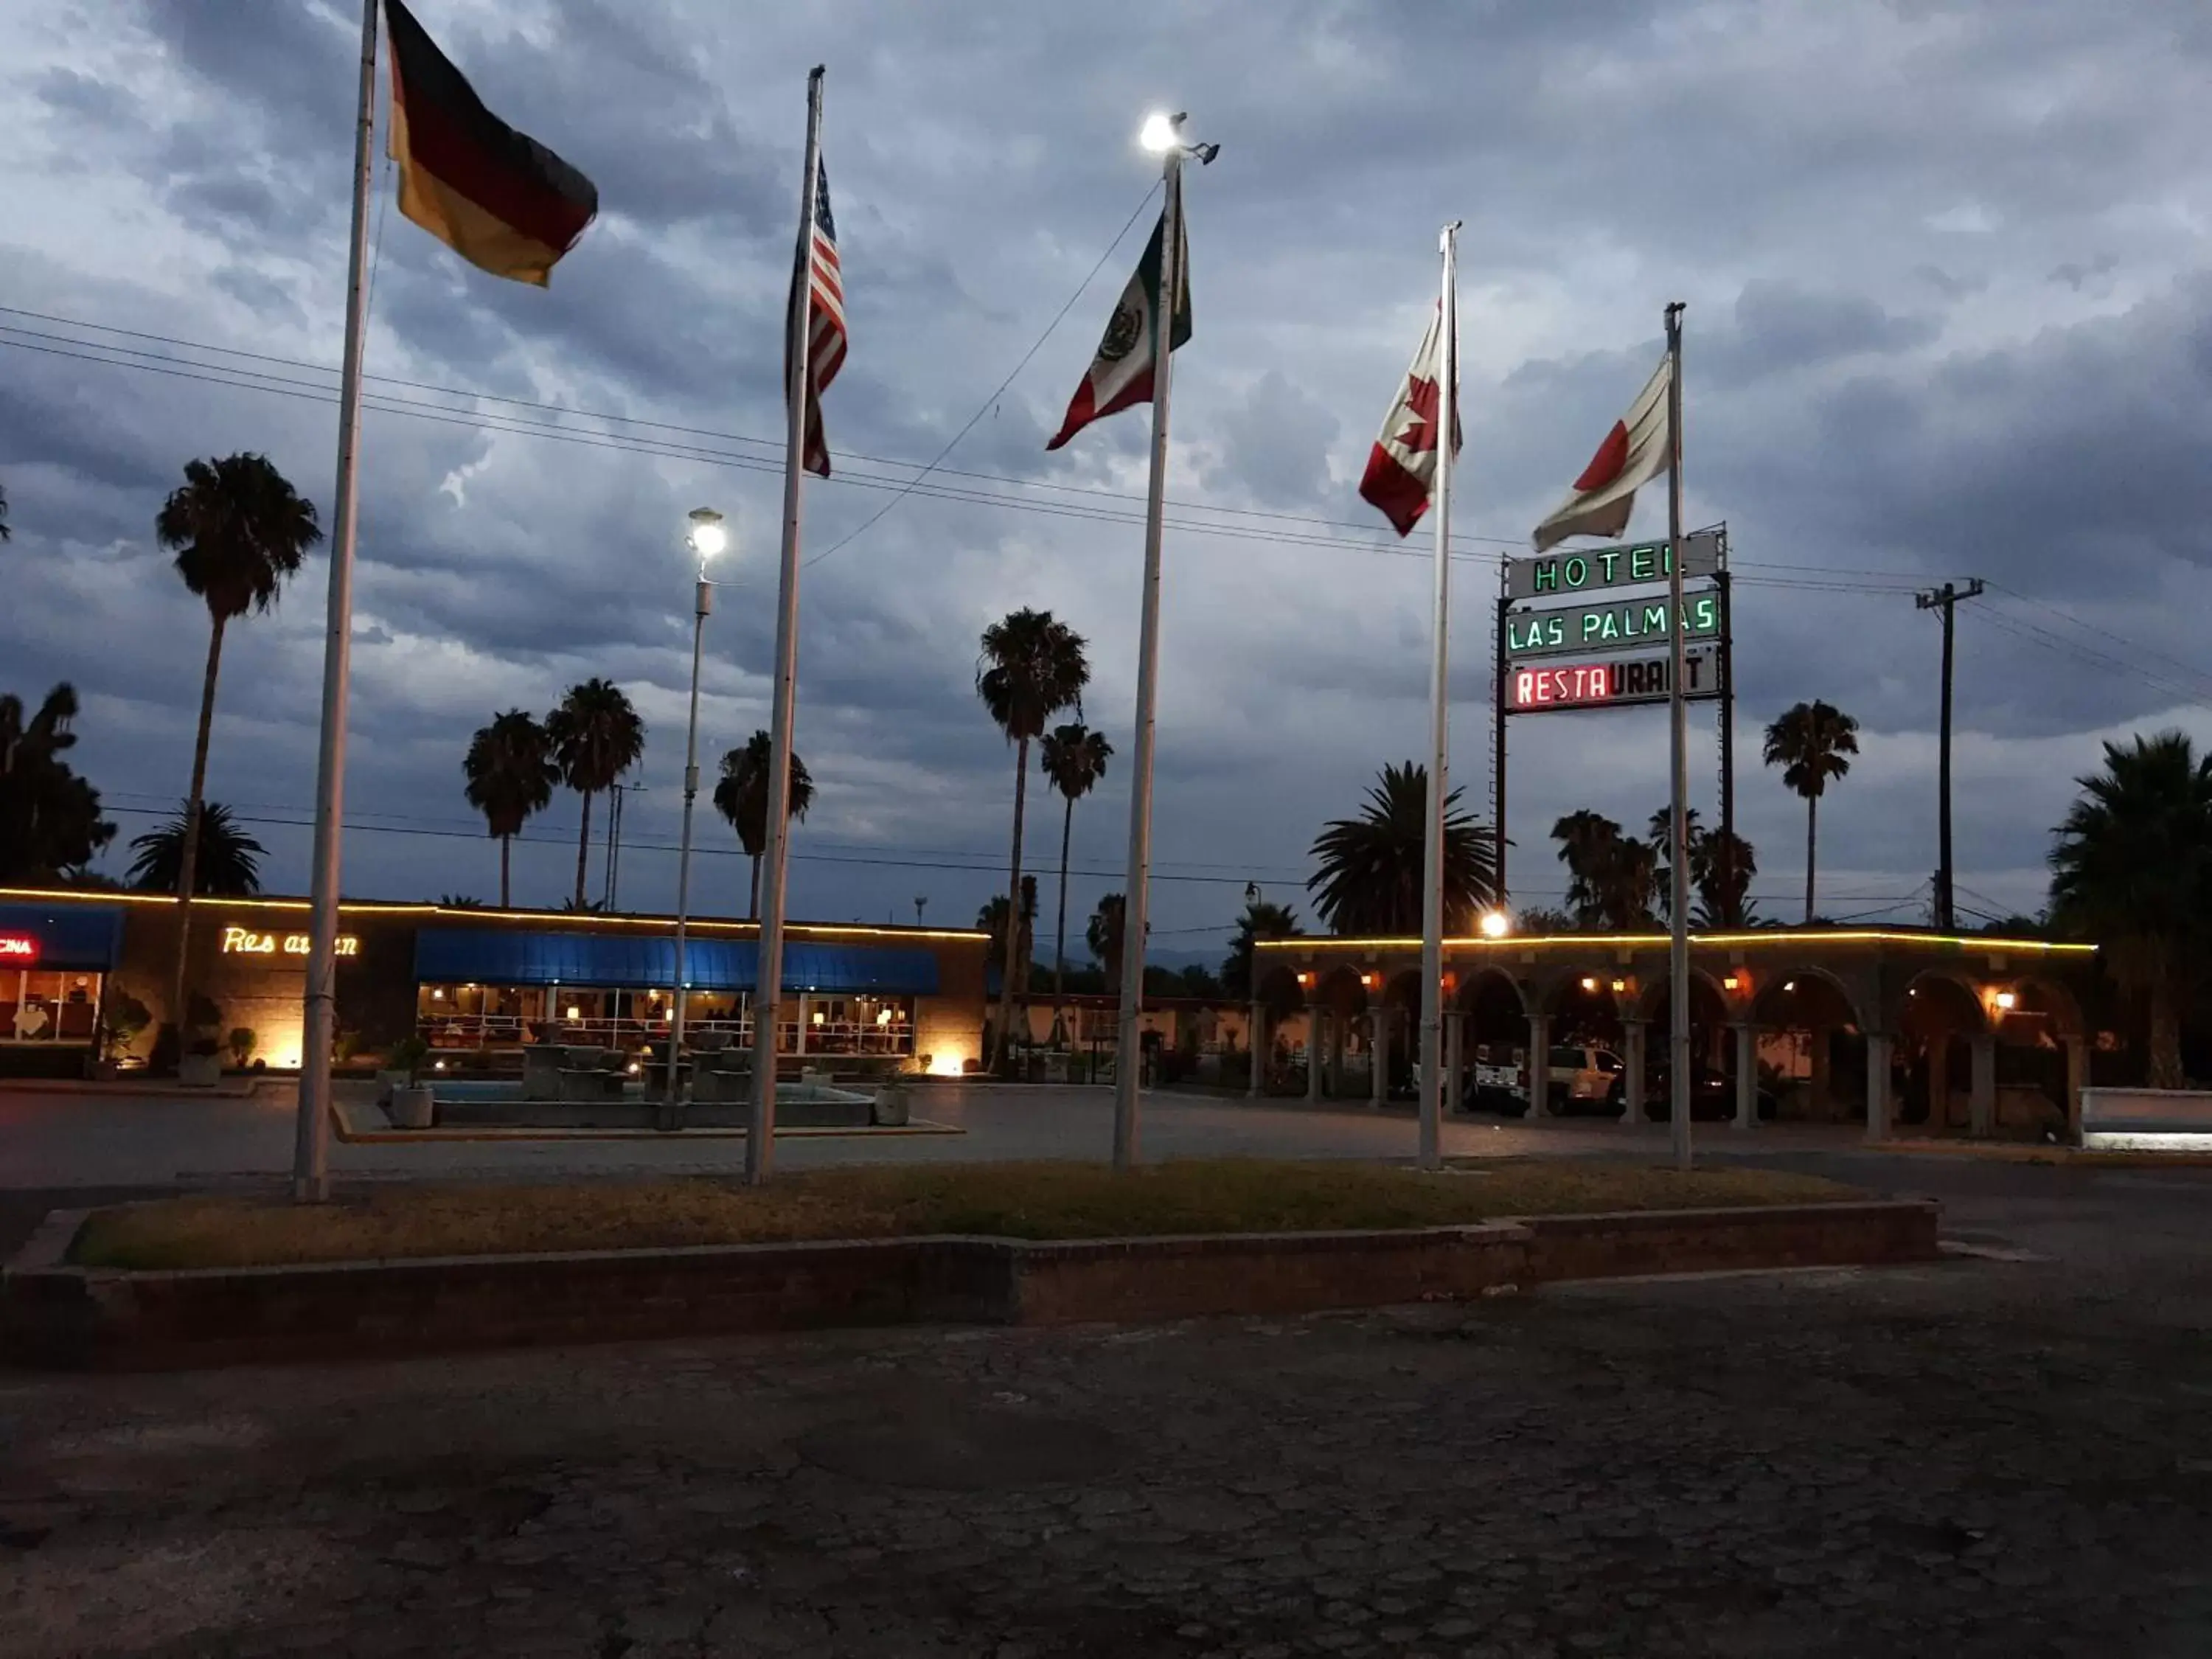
707, 540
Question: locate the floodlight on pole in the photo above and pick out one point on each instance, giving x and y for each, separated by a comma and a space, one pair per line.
1496, 924
707, 538
1161, 132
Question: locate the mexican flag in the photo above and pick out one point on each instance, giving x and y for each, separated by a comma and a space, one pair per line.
1121, 375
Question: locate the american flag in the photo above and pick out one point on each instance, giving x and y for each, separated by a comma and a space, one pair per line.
825, 319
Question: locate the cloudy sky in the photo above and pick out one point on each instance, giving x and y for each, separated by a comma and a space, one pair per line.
1950, 314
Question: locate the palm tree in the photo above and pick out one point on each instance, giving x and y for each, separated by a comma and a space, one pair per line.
229, 859
1103, 936
511, 775
50, 818
1262, 920
1369, 879
1721, 865
741, 797
1611, 875
597, 736
1031, 665
1074, 758
3, 515
2132, 869
238, 529
992, 919
1809, 741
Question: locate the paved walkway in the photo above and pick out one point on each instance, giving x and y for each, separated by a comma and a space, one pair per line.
50, 1140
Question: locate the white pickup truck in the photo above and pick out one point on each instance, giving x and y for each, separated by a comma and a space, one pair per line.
1580, 1077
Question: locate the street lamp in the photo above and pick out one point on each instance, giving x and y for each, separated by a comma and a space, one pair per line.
1496, 924
707, 538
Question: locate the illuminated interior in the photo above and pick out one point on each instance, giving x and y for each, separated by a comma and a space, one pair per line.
477, 1017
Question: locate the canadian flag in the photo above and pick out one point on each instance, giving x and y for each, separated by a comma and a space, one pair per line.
1638, 450
1402, 471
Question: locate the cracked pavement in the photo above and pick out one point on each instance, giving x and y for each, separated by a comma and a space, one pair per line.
2007, 1453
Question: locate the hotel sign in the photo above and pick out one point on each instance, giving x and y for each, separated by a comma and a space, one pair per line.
1614, 684
1619, 624
1558, 574
243, 942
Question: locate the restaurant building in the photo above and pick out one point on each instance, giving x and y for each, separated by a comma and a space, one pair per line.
481, 981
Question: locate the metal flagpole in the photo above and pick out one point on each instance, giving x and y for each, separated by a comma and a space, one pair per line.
1129, 1053
1432, 824
318, 1024
768, 973
1678, 905
673, 1114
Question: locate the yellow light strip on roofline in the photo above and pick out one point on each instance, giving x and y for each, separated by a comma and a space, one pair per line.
1764, 936
565, 918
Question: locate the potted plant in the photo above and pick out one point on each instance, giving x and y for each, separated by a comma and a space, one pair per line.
121, 1019
413, 1105
200, 1065
893, 1102
241, 1045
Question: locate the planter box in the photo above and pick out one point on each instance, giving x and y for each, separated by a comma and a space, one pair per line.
414, 1106
891, 1108
200, 1071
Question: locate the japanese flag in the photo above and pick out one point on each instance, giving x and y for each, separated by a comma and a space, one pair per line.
1638, 450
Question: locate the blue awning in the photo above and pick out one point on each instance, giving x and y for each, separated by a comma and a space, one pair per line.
78, 938
499, 956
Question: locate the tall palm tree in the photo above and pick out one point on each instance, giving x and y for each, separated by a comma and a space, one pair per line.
1262, 920
239, 530
511, 775
1074, 758
1721, 865
741, 797
229, 859
2132, 869
596, 737
49, 817
1811, 743
1369, 877
1030, 666
1104, 935
992, 919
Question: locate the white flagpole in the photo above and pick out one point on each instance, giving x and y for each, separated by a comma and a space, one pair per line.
1433, 827
1129, 1052
768, 970
318, 1017
1678, 905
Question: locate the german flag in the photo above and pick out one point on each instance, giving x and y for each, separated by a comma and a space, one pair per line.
497, 197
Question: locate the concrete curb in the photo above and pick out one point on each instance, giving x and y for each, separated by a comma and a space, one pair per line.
2013, 1151
59, 1316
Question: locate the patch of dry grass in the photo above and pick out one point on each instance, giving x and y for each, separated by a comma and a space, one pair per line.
1008, 1200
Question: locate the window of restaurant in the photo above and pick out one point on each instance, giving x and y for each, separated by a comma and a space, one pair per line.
474, 1016
40, 1005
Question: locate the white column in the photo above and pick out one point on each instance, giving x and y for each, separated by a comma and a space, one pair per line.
1877, 1086
1982, 1095
1747, 1076
802, 1026
1256, 1042
1314, 1053
1638, 1031
1455, 1059
1540, 1065
1378, 1052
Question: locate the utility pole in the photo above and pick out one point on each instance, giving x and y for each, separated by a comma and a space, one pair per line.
1945, 598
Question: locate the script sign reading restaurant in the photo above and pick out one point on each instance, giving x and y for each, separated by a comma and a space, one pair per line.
1610, 684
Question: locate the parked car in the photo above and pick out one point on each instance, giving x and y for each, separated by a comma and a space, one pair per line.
1712, 1095
1581, 1079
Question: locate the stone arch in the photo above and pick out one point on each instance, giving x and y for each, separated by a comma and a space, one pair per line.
2048, 1001
1813, 1034
1941, 997
1652, 998
1792, 999
1487, 983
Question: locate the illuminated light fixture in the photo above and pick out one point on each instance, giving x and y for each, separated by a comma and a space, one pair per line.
1732, 982
1913, 992
438, 994
1588, 984
885, 1018
1367, 981
1158, 135
1496, 924
707, 538
439, 1066
1620, 985
1789, 984
819, 1017
574, 1013
633, 1068
1305, 978
2005, 1000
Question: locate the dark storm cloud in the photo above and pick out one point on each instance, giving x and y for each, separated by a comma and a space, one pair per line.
1944, 321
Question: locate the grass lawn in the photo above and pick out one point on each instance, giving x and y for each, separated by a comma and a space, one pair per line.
1008, 1201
